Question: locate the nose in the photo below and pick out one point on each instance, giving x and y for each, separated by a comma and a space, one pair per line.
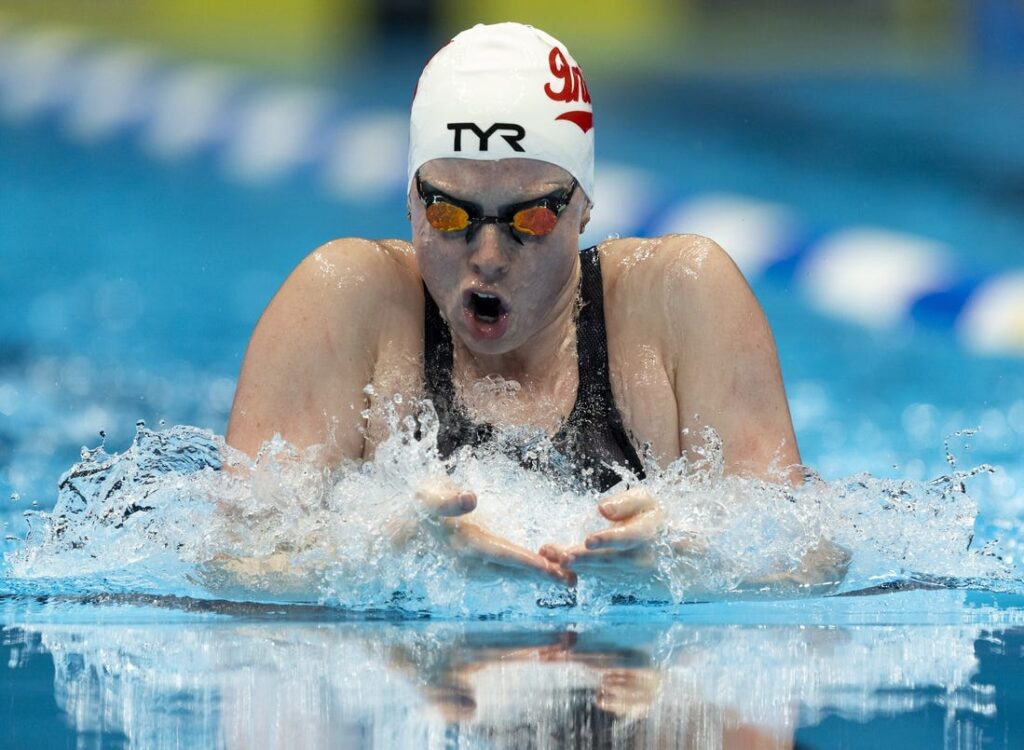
488, 258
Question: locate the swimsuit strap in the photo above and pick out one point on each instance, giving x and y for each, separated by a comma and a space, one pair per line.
455, 427
595, 403
438, 354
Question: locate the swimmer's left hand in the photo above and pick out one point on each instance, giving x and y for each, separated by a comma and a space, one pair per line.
637, 522
638, 532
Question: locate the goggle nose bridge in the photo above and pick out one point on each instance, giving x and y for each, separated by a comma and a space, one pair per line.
475, 222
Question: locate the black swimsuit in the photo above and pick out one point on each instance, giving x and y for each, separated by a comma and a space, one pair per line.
591, 441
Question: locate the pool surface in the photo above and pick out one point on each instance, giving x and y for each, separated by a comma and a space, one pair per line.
925, 669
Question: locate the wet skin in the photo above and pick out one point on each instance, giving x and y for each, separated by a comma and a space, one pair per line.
688, 347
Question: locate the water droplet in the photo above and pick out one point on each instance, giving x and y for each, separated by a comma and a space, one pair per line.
397, 398
15, 497
369, 390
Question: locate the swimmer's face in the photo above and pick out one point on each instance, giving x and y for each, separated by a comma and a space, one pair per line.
499, 288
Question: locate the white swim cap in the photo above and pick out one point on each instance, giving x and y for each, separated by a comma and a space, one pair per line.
504, 91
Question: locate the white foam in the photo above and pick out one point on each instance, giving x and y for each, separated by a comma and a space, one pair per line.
160, 519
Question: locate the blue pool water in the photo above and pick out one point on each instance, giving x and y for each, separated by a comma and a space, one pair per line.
130, 287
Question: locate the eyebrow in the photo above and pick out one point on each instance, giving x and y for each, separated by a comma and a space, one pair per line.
559, 192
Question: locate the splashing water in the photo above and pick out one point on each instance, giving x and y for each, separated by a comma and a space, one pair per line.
181, 513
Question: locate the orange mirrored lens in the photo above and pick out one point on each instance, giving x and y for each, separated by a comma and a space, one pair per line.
536, 220
446, 217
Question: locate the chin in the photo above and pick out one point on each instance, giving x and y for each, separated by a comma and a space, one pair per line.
497, 338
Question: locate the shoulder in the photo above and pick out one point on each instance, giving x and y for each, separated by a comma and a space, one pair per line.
672, 281
673, 258
348, 287
355, 269
318, 343
684, 297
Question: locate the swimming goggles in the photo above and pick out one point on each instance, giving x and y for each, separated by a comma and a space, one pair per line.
533, 218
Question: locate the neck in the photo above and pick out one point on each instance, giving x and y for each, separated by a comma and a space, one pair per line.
538, 362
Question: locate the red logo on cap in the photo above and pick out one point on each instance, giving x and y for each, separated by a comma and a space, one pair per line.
574, 89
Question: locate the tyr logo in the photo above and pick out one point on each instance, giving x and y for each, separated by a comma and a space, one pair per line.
514, 134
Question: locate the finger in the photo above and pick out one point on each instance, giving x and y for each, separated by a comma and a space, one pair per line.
554, 553
626, 504
500, 551
599, 560
633, 533
578, 557
690, 545
442, 497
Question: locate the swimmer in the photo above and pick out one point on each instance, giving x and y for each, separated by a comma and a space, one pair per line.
615, 348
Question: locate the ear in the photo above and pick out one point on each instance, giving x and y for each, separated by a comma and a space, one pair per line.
585, 219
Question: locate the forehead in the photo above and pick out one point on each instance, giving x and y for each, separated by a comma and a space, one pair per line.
501, 176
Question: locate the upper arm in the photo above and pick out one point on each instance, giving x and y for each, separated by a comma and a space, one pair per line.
312, 353
725, 367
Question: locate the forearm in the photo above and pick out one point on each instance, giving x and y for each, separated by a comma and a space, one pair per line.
821, 570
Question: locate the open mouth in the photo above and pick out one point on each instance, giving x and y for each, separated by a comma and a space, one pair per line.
487, 308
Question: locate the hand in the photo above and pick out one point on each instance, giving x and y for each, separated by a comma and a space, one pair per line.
822, 569
625, 688
636, 520
450, 505
638, 523
274, 575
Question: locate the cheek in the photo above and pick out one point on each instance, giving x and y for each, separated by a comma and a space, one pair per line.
545, 271
437, 261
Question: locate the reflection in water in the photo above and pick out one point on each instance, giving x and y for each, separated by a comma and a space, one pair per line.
275, 683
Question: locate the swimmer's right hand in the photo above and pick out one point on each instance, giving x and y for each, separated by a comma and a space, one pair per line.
443, 500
